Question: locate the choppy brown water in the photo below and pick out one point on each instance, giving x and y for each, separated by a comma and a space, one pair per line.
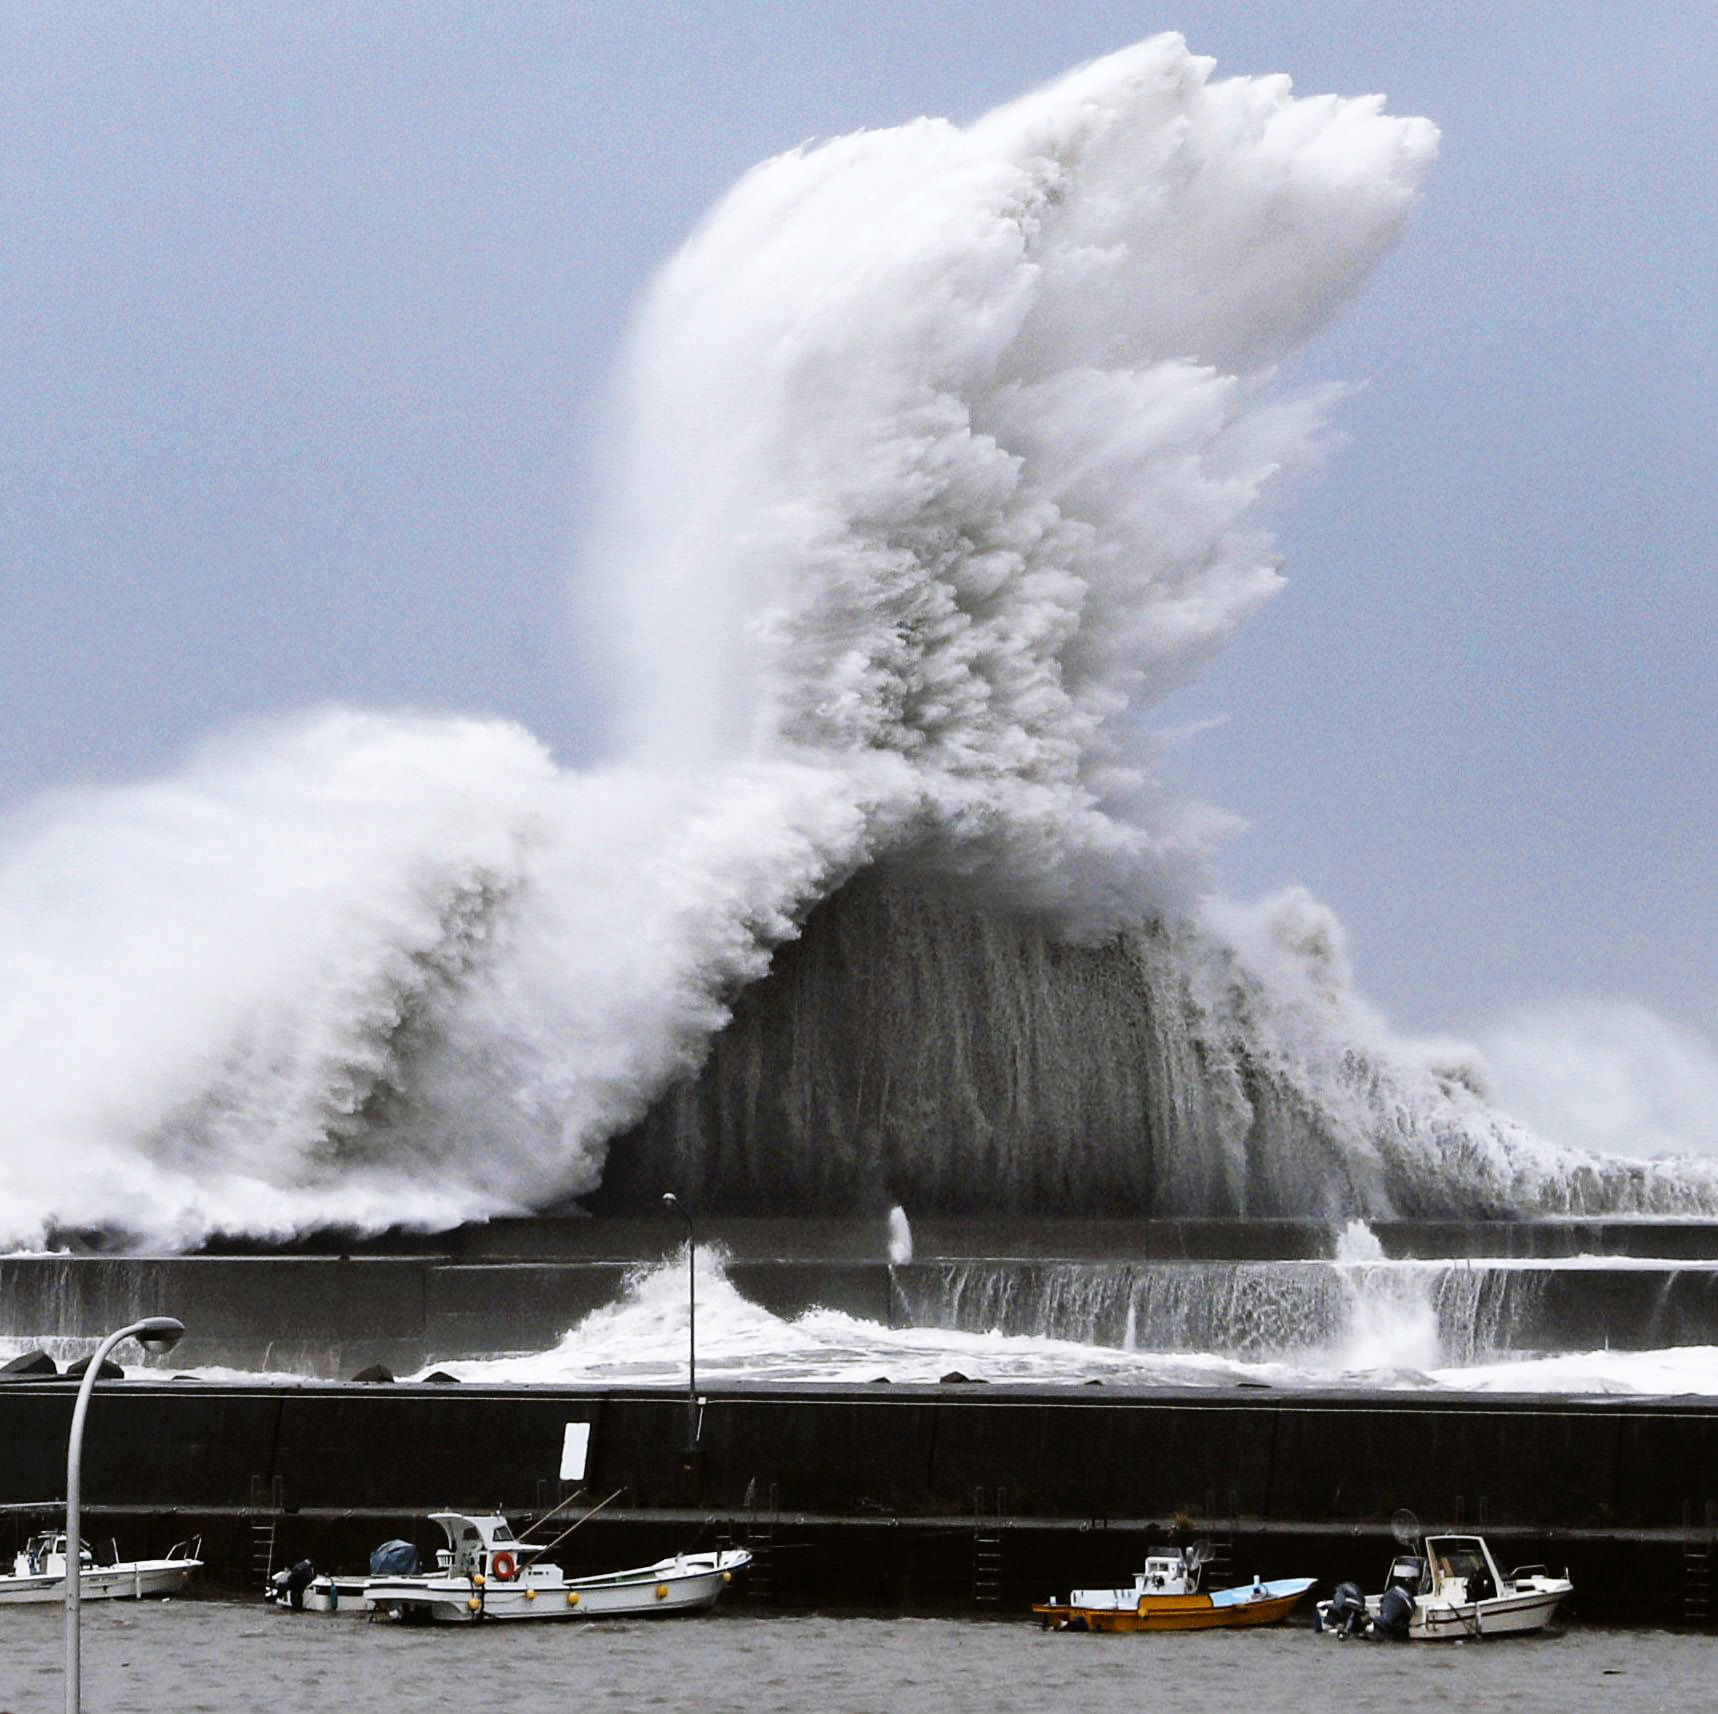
217, 1657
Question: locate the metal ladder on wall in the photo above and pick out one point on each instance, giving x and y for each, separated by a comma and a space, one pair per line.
1220, 1532
760, 1578
760, 1539
1696, 1584
262, 1551
265, 1510
1696, 1571
987, 1549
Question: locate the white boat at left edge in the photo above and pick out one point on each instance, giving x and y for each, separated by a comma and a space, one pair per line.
39, 1572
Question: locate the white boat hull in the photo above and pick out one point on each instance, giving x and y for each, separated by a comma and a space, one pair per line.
688, 1584
1426, 1599
1502, 1616
330, 1595
133, 1581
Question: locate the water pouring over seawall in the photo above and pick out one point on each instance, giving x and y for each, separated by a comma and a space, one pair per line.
1341, 1316
1185, 1303
906, 1047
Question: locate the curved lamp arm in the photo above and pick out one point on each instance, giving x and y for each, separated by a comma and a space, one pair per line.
154, 1333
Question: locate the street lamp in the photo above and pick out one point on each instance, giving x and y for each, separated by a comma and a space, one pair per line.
154, 1333
672, 1201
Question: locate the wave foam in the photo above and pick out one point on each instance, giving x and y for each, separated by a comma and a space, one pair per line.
941, 456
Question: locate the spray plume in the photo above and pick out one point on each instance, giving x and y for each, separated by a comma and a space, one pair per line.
942, 455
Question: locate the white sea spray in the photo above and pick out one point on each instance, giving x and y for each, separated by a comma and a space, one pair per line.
941, 456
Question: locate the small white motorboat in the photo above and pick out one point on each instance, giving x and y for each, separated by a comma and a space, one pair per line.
303, 1588
39, 1572
1452, 1588
486, 1572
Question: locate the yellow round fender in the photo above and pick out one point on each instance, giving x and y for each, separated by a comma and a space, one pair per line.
477, 1580
727, 1577
661, 1591
472, 1604
572, 1597
530, 1594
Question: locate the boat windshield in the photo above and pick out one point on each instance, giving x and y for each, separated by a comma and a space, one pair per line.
1454, 1558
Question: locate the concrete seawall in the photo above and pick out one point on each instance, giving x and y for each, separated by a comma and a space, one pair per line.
327, 1317
513, 1286
901, 1497
877, 1495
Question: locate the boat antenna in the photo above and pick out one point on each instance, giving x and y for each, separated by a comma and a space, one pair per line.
1405, 1527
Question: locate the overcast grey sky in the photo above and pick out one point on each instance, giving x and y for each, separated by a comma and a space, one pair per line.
303, 309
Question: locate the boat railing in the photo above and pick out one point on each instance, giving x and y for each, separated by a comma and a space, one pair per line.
190, 1548
1522, 1571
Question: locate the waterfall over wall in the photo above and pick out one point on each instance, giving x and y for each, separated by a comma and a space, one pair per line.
1373, 1315
907, 1049
1452, 1312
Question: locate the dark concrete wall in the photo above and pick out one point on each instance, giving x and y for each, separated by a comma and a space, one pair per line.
873, 1496
1084, 1452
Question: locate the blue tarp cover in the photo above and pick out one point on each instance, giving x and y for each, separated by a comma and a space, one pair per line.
394, 1559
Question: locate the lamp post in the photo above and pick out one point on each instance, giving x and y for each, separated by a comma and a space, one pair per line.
672, 1201
154, 1333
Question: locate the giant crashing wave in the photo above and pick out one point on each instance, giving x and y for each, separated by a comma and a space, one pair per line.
940, 455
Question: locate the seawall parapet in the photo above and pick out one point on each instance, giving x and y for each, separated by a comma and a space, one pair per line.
1239, 1288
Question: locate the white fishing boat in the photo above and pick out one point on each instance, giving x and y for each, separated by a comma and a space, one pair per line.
1450, 1588
39, 1572
486, 1572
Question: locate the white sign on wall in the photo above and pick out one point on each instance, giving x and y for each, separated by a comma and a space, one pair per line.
575, 1450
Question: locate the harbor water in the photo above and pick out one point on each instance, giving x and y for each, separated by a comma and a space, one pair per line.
222, 1657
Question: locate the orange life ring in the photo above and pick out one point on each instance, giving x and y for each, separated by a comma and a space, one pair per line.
503, 1567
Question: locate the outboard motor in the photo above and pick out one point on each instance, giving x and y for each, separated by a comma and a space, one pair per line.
290, 1585
1395, 1610
1346, 1614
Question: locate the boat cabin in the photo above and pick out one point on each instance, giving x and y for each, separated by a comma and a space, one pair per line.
1460, 1568
473, 1542
1167, 1573
44, 1555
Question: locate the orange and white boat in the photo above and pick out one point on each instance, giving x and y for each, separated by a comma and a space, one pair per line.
1166, 1597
